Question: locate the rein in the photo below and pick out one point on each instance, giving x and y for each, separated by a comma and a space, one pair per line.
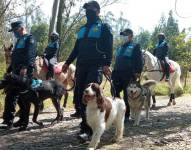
108, 78
154, 70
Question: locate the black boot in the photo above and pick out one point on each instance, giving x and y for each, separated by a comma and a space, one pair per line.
76, 115
167, 74
18, 123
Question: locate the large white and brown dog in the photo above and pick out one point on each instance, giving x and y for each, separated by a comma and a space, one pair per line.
102, 112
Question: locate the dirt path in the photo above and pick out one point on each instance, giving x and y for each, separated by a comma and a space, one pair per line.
168, 128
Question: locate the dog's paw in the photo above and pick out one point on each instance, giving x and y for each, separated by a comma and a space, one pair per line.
173, 102
153, 106
169, 104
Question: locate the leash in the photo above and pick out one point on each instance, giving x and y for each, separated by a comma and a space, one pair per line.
113, 91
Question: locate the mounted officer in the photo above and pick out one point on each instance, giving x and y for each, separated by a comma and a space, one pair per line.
93, 50
161, 52
22, 63
51, 54
128, 66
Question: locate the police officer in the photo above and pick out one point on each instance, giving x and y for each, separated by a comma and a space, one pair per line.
22, 63
93, 50
128, 66
161, 52
51, 54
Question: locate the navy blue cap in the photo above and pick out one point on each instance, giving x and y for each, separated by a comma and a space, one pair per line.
126, 32
16, 25
92, 4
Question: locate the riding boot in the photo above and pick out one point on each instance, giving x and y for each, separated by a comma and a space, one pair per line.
48, 75
167, 71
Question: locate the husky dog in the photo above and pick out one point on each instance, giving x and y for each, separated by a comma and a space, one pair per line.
139, 96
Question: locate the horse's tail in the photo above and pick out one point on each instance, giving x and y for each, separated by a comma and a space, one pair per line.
178, 74
149, 83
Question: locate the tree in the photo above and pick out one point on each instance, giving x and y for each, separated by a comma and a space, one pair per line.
54, 16
143, 38
171, 28
40, 33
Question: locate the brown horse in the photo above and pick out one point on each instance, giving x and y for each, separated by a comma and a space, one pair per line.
67, 79
7, 51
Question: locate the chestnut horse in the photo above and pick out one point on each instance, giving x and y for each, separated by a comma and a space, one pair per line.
67, 79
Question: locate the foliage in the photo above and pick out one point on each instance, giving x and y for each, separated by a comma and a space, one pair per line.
143, 38
40, 32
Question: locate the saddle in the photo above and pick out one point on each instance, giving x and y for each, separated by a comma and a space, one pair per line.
171, 67
57, 67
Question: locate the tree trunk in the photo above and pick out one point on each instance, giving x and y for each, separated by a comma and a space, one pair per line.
59, 17
59, 22
54, 16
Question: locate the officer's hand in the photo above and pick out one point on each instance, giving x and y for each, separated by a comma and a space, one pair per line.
107, 70
23, 71
65, 68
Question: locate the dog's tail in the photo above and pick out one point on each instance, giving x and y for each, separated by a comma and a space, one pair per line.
149, 83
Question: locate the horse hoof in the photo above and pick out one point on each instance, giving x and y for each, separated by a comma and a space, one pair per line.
153, 106
169, 104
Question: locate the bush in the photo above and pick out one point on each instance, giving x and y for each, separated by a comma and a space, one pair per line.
161, 89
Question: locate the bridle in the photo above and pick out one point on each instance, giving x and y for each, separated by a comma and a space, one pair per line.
151, 70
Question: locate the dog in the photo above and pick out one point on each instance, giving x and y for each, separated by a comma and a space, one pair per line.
48, 89
102, 112
139, 96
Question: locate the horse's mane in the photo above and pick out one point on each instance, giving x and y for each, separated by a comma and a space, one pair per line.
149, 54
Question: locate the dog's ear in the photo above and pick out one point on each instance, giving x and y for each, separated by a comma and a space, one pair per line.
99, 95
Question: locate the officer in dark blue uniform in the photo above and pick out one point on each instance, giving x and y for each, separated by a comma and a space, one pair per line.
128, 66
93, 50
22, 63
51, 54
161, 52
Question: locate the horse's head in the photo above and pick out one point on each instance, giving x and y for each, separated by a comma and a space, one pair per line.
39, 61
148, 58
7, 49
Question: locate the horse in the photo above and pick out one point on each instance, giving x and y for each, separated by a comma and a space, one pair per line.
67, 79
7, 51
155, 71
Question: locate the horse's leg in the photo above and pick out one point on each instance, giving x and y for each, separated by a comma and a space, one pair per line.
154, 101
172, 89
65, 99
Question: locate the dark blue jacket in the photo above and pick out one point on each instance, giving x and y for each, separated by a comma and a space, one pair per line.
161, 50
129, 58
23, 54
93, 45
51, 50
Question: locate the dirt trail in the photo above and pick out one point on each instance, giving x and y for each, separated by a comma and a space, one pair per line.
168, 128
